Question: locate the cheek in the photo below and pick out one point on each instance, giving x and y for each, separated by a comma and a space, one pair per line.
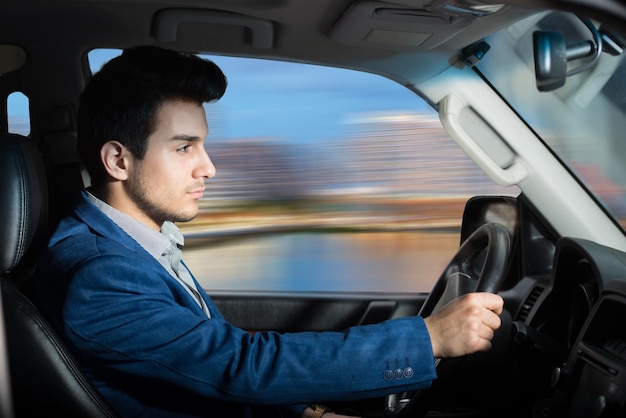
164, 180
167, 184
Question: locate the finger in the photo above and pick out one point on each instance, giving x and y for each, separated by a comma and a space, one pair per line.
494, 303
489, 301
486, 333
492, 320
485, 345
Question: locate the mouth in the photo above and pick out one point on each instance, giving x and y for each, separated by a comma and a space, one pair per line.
196, 193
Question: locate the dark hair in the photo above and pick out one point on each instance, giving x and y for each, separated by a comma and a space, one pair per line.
121, 101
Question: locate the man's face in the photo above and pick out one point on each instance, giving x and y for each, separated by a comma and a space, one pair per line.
167, 183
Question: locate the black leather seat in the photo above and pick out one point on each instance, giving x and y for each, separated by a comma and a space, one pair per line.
45, 379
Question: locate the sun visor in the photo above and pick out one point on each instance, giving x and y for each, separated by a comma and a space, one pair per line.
170, 25
396, 26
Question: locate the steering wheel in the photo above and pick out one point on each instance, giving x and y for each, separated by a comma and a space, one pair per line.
478, 266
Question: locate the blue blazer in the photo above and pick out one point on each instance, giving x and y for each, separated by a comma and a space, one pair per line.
151, 350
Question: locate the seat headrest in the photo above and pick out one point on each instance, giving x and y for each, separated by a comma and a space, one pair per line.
23, 202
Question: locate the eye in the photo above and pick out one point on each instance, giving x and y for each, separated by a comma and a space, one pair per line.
184, 148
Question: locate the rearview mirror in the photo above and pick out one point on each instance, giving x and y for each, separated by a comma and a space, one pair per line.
552, 55
550, 60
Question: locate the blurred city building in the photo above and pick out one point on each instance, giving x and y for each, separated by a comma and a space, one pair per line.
390, 156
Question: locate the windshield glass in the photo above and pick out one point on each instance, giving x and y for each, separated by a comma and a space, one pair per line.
582, 116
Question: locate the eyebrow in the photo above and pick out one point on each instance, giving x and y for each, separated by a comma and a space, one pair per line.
186, 138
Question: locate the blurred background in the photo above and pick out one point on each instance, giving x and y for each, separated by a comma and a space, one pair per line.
327, 180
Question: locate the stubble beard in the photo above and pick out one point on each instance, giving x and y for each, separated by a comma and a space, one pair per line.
138, 193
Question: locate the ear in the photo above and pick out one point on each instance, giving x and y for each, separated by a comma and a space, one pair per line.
115, 159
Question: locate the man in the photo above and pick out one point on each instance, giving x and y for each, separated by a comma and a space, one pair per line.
147, 335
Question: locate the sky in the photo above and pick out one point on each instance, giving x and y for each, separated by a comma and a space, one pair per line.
296, 101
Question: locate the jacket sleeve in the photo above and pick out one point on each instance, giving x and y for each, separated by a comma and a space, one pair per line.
128, 316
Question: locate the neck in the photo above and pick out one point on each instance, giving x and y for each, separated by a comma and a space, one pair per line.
113, 195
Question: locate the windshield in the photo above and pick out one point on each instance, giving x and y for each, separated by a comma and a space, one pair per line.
580, 116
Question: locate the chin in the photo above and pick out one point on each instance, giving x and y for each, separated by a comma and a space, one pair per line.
185, 216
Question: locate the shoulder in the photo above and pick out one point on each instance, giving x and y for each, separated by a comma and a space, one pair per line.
86, 241
87, 229
79, 241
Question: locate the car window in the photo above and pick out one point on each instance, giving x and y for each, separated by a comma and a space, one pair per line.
18, 114
327, 179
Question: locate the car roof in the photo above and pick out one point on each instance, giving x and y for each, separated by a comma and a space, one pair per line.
368, 35
328, 31
372, 36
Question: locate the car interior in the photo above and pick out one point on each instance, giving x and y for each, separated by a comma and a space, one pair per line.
554, 254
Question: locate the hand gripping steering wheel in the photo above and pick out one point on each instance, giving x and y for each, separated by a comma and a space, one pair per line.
478, 266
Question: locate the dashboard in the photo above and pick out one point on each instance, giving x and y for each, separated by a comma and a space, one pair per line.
592, 383
564, 353
579, 311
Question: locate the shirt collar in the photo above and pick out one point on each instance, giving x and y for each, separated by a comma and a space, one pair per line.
154, 242
171, 230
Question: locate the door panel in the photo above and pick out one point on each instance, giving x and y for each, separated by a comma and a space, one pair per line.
290, 312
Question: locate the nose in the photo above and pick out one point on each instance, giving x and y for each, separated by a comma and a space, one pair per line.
206, 168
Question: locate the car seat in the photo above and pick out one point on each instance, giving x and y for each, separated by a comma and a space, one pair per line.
45, 378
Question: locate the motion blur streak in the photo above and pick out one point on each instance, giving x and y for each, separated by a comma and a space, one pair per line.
385, 203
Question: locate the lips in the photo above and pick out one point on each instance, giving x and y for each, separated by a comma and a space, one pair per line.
197, 193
